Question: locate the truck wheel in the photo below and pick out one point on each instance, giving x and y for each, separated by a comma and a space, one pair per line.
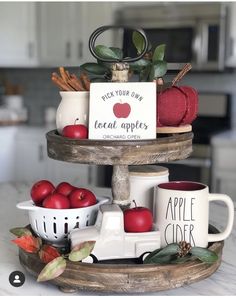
143, 256
90, 259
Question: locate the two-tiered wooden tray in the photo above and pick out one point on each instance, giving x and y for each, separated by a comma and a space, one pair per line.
123, 276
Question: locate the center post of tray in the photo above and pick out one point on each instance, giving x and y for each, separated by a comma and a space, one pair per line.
121, 185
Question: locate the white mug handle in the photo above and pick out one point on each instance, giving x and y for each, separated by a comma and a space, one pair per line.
229, 203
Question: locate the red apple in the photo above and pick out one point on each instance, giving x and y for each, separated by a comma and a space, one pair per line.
82, 197
56, 201
40, 190
75, 131
121, 110
138, 219
64, 188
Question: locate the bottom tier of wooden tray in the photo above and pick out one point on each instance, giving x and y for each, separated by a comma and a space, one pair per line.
126, 276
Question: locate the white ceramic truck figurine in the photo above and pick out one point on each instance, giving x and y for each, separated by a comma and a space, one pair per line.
112, 242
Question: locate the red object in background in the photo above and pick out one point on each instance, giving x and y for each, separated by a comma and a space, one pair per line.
138, 219
177, 106
75, 131
82, 197
56, 201
64, 188
121, 110
192, 104
40, 190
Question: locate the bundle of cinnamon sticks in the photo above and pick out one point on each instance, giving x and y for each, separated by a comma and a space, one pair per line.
70, 82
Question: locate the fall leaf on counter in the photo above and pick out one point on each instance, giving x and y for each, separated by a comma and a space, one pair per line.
53, 269
21, 232
28, 243
81, 251
48, 253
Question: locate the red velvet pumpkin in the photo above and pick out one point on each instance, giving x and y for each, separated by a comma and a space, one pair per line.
177, 106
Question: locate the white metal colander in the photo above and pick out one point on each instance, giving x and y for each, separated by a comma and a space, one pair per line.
54, 225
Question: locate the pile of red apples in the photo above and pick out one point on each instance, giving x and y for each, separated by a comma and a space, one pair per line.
63, 196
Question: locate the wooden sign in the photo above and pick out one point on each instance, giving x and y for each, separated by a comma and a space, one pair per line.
122, 111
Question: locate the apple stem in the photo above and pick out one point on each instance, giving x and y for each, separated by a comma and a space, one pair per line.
135, 204
77, 119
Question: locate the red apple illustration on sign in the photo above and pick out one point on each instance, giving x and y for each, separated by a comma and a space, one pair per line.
121, 110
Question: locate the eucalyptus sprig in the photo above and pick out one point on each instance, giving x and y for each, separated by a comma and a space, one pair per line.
54, 259
102, 70
173, 254
152, 66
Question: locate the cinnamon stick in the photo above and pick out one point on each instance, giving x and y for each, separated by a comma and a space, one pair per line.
59, 82
85, 80
77, 82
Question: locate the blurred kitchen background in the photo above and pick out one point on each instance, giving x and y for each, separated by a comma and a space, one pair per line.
38, 37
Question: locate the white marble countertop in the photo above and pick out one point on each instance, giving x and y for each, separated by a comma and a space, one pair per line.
222, 282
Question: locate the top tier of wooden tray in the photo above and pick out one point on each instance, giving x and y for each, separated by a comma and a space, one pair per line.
162, 149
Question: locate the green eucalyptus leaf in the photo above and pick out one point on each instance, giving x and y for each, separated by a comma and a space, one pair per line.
158, 70
52, 270
106, 53
162, 255
139, 65
118, 52
94, 68
183, 259
138, 41
81, 251
19, 232
105, 64
203, 254
152, 254
159, 53
144, 73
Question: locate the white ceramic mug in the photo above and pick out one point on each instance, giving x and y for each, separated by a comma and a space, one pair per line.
182, 213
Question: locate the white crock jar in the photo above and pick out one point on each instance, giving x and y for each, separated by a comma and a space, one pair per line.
143, 179
74, 105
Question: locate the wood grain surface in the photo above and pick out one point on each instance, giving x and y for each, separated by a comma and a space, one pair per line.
122, 277
162, 149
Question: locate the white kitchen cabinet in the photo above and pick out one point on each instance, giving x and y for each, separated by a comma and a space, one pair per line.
7, 153
32, 162
51, 33
57, 37
31, 155
224, 164
95, 15
18, 34
231, 36
65, 28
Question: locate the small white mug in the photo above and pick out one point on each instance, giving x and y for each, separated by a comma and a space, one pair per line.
182, 213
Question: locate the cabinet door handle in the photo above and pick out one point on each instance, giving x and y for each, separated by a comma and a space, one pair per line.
231, 47
30, 49
41, 155
80, 49
68, 50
